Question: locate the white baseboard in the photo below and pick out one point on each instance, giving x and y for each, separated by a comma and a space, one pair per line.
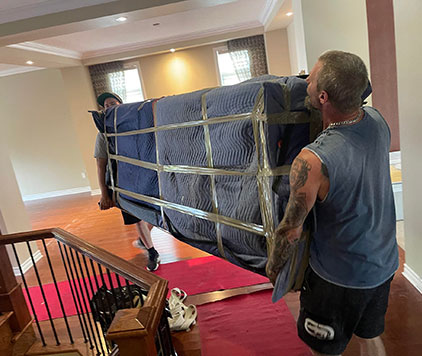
96, 191
27, 265
398, 200
397, 187
56, 193
413, 278
395, 159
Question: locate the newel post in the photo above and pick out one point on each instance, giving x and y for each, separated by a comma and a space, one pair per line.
134, 332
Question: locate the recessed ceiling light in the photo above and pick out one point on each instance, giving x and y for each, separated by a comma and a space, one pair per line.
121, 19
29, 62
289, 13
172, 50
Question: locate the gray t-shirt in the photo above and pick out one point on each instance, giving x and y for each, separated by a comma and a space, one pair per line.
100, 150
354, 244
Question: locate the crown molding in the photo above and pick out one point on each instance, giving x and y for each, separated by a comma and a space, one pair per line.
171, 40
267, 11
42, 48
18, 70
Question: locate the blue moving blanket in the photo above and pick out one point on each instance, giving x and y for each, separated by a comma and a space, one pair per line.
233, 147
140, 147
283, 128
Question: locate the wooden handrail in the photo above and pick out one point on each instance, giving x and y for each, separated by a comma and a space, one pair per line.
26, 236
148, 317
124, 268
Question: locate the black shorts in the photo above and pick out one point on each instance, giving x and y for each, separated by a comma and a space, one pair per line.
129, 219
330, 314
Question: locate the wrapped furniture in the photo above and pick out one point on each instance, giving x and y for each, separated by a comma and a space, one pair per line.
211, 166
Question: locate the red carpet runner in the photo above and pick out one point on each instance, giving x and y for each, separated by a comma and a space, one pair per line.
207, 274
194, 276
249, 325
241, 326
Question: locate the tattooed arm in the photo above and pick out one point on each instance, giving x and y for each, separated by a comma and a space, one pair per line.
308, 180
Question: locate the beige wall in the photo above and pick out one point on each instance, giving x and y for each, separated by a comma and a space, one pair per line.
408, 26
277, 48
180, 72
81, 98
13, 217
39, 132
339, 24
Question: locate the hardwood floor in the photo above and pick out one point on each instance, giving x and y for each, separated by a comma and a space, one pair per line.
79, 215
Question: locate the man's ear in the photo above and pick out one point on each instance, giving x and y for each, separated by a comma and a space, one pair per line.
323, 97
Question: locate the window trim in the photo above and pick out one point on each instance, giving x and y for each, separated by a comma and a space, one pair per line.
136, 64
221, 49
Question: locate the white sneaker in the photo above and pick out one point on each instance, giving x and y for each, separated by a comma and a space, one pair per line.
183, 322
176, 299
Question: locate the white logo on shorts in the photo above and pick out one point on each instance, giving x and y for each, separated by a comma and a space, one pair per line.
320, 331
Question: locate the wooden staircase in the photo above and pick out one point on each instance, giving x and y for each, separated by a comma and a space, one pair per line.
134, 330
25, 342
79, 348
16, 332
14, 343
6, 334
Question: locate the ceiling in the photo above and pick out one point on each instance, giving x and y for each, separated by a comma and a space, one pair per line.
61, 33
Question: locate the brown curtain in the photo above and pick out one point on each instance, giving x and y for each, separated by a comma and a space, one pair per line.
108, 77
255, 46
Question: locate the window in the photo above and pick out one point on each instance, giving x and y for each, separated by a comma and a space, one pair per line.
233, 67
127, 84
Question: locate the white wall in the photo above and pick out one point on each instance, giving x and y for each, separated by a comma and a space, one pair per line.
408, 27
296, 38
39, 133
339, 24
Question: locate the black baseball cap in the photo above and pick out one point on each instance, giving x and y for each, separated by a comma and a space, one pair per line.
101, 98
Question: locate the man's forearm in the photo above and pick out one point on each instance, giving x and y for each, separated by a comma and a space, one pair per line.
288, 233
101, 172
284, 243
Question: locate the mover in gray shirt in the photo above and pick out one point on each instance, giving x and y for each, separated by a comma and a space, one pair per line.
144, 240
345, 174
